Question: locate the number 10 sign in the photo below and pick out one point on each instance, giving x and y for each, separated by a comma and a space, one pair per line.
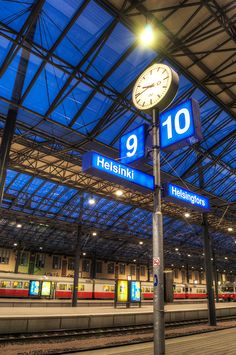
180, 126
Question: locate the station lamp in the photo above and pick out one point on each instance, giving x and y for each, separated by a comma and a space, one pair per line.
147, 36
141, 243
189, 255
91, 201
84, 254
176, 249
187, 215
119, 193
134, 260
18, 225
94, 234
15, 244
230, 229
226, 258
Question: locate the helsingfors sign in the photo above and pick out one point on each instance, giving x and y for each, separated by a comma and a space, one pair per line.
174, 192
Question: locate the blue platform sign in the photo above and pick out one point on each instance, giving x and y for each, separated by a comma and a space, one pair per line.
186, 197
98, 165
135, 291
180, 126
132, 144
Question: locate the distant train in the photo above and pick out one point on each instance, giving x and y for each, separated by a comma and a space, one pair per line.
29, 286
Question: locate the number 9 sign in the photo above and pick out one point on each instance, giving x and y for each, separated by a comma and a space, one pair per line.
180, 126
132, 145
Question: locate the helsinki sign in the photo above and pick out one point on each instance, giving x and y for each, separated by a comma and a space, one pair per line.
108, 169
174, 192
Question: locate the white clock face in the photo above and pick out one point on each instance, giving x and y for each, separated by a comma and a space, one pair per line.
152, 86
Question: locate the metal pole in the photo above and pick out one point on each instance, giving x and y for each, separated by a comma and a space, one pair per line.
158, 260
215, 275
208, 268
76, 267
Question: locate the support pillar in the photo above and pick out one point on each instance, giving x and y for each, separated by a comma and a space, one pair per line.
208, 268
76, 266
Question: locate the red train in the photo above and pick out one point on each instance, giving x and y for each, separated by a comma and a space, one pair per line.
27, 286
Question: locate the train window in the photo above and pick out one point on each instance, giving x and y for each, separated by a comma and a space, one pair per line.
112, 288
147, 289
132, 270
16, 284
178, 290
40, 260
106, 288
99, 267
70, 287
122, 269
71, 263
142, 270
5, 284
4, 256
151, 289
142, 289
26, 284
24, 258
56, 262
62, 287
80, 287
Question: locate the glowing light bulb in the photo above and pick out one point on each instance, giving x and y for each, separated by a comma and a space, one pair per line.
147, 35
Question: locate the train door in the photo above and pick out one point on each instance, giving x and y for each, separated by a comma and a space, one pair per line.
64, 267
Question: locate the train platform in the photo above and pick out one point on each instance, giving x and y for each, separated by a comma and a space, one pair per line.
10, 302
214, 343
36, 319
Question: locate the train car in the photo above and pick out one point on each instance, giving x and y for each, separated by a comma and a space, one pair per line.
193, 291
104, 289
64, 288
227, 292
179, 291
147, 290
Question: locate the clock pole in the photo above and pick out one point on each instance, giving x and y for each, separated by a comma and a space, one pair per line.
157, 234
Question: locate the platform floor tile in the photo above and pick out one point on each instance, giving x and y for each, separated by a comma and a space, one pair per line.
221, 342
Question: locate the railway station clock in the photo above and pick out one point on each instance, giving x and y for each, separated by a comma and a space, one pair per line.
156, 87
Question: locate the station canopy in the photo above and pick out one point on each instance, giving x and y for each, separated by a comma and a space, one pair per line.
67, 69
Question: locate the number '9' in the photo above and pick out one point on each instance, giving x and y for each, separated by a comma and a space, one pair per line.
132, 145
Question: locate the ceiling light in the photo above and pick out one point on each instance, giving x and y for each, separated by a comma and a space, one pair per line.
147, 36
172, 264
224, 270
226, 258
15, 244
141, 243
189, 255
91, 201
40, 248
187, 215
176, 249
119, 193
230, 229
94, 234
84, 254
134, 260
211, 259
18, 225
182, 265
192, 267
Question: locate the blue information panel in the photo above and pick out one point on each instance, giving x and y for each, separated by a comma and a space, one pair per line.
177, 193
180, 126
135, 291
132, 144
98, 165
34, 288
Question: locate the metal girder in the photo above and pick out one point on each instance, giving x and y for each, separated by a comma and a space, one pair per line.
221, 16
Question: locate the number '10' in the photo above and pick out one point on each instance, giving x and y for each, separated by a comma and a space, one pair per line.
178, 129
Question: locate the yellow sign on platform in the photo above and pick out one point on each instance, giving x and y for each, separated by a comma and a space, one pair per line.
46, 288
122, 291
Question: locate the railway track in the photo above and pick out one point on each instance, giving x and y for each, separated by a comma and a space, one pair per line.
103, 332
